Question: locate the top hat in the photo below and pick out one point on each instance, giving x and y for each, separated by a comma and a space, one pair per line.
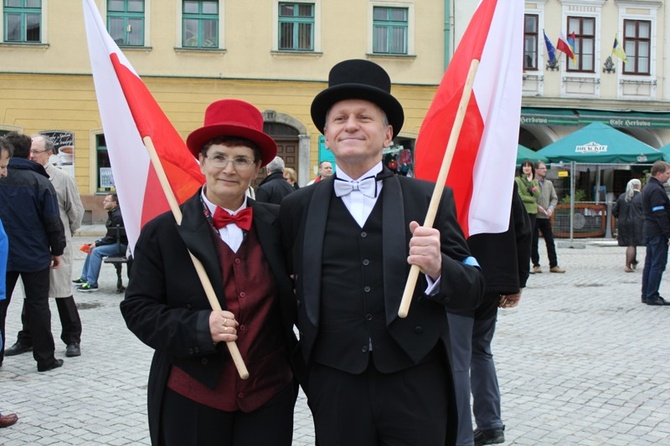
232, 117
358, 79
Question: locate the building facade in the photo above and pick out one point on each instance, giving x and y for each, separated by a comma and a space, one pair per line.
277, 54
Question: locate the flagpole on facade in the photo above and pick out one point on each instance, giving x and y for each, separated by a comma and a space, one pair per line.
440, 182
200, 269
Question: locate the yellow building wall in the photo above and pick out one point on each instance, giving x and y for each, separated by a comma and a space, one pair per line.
33, 103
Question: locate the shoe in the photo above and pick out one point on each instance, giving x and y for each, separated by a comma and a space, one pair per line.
79, 281
17, 349
72, 350
537, 269
633, 264
556, 269
54, 365
8, 420
87, 288
657, 301
489, 436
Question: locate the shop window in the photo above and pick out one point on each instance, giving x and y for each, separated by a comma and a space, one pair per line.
637, 46
390, 30
584, 29
530, 37
105, 180
296, 27
23, 21
125, 22
200, 24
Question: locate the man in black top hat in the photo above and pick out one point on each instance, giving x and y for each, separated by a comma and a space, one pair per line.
370, 376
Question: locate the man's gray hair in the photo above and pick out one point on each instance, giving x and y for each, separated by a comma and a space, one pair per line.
48, 142
276, 165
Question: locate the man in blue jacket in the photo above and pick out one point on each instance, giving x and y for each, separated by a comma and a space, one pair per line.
656, 231
36, 236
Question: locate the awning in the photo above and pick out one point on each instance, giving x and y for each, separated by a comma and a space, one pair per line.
576, 117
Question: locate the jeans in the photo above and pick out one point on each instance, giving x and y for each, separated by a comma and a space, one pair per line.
654, 265
483, 375
543, 225
93, 262
460, 343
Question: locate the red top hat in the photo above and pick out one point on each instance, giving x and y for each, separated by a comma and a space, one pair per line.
232, 117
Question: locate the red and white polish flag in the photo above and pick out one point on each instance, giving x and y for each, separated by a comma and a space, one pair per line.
482, 169
129, 113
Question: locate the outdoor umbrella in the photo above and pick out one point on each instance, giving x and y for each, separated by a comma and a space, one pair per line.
599, 143
524, 153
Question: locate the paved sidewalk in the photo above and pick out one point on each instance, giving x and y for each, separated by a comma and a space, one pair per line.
581, 362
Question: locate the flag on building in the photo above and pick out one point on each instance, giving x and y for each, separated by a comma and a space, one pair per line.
551, 51
618, 51
482, 169
566, 47
129, 113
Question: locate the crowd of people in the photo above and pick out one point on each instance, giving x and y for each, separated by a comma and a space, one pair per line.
234, 275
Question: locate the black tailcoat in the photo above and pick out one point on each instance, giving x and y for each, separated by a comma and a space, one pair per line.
167, 308
303, 217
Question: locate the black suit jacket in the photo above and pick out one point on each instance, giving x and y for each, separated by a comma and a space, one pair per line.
167, 308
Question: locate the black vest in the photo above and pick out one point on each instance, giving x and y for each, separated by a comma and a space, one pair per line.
352, 318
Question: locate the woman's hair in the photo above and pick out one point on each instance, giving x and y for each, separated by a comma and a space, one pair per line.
631, 187
290, 173
527, 163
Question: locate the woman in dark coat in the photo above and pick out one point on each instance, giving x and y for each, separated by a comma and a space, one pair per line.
195, 394
630, 217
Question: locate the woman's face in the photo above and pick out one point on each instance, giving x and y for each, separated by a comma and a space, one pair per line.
527, 169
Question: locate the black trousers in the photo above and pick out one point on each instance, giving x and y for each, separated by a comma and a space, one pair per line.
405, 408
185, 422
36, 286
69, 320
543, 225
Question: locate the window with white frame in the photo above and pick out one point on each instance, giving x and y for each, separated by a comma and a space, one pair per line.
390, 26
530, 39
200, 23
125, 22
637, 46
296, 26
22, 21
583, 31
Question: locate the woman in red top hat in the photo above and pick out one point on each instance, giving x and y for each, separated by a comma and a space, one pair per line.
195, 394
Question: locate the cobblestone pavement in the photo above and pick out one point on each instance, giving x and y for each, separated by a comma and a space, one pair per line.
580, 362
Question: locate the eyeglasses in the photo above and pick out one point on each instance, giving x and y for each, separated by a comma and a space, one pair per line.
37, 152
240, 163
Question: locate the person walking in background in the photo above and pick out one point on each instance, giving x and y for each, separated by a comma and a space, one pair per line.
546, 203
273, 187
71, 212
630, 221
325, 171
114, 243
291, 177
373, 378
195, 395
36, 235
656, 231
529, 190
504, 259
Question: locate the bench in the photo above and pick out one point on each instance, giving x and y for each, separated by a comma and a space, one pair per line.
118, 262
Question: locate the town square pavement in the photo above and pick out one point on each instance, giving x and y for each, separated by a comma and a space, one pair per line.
580, 362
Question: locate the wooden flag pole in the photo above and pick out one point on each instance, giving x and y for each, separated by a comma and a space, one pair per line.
200, 269
440, 182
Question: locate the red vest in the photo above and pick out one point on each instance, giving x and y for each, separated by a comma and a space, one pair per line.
251, 296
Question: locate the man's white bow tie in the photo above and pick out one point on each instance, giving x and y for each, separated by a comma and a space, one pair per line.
367, 186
